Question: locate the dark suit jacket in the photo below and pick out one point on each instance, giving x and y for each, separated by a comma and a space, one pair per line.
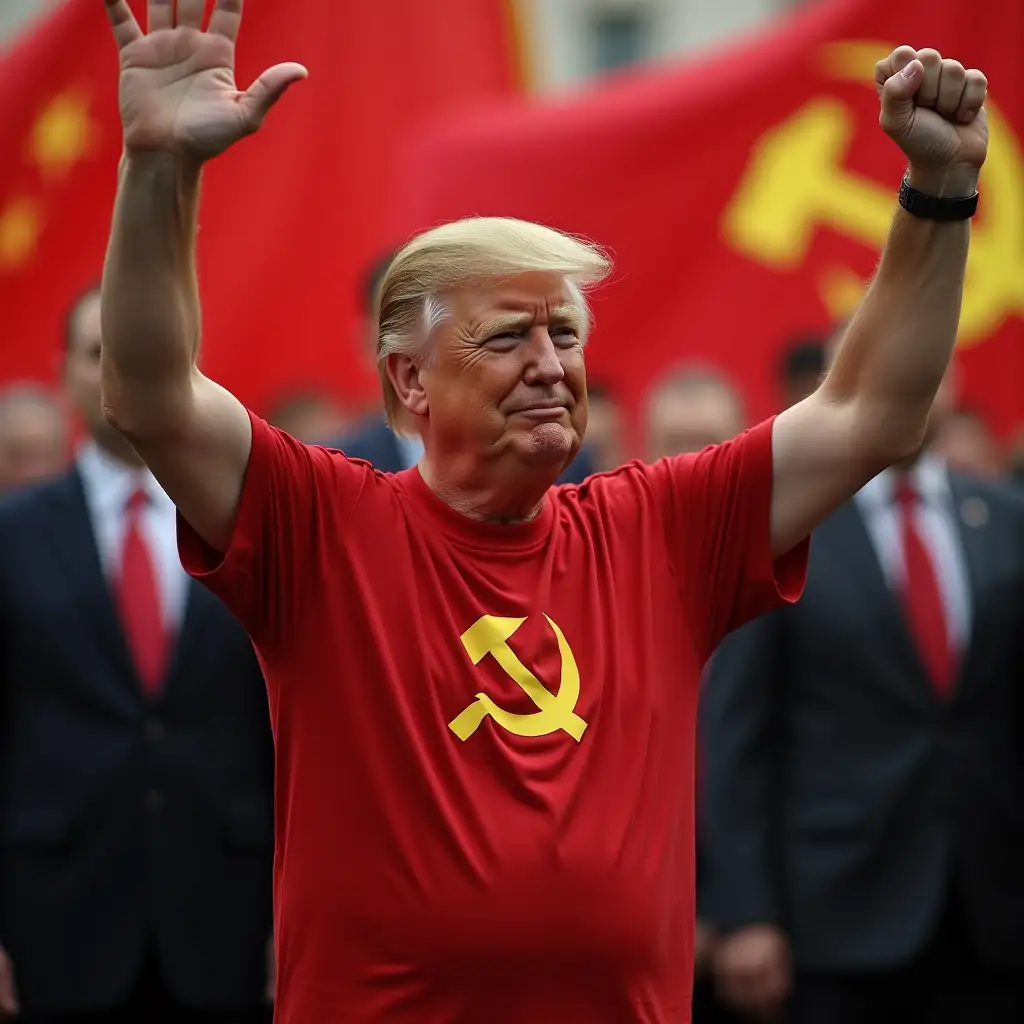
843, 797
375, 442
124, 820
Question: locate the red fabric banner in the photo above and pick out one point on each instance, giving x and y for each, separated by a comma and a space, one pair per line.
290, 218
746, 198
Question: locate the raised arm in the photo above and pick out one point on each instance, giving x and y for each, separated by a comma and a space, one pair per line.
872, 409
179, 108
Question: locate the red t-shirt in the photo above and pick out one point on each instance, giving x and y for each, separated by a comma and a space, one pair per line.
485, 732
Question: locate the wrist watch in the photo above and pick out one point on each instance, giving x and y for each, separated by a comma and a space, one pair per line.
932, 207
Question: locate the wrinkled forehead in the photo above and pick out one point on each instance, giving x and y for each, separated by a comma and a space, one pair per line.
526, 298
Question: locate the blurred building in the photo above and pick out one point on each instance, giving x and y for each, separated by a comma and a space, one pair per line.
14, 14
568, 41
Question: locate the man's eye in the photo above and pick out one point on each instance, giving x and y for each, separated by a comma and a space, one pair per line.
565, 333
504, 338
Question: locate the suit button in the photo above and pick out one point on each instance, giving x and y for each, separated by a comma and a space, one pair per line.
155, 801
154, 731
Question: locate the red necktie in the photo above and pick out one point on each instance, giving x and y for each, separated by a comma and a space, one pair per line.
138, 598
922, 598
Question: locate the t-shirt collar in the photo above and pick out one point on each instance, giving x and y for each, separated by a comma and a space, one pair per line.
496, 538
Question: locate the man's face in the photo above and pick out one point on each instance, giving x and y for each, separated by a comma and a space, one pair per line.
688, 420
32, 444
966, 445
508, 378
82, 368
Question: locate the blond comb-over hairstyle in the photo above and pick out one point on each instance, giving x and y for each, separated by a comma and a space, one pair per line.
477, 250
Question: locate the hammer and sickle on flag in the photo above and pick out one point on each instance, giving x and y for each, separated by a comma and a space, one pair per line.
796, 183
490, 635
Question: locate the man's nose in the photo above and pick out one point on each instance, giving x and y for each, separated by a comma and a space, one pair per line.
544, 366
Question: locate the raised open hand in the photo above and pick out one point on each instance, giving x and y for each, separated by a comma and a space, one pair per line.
933, 108
177, 85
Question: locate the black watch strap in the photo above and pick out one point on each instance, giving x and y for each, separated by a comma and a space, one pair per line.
933, 208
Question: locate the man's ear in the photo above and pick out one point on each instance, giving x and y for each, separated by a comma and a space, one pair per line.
404, 375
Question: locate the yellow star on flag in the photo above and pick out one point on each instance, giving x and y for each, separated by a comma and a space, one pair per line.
21, 221
62, 134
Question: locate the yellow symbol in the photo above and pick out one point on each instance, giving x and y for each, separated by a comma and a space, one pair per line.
796, 183
490, 635
62, 134
20, 224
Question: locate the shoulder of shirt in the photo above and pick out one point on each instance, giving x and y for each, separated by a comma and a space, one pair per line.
331, 458
631, 477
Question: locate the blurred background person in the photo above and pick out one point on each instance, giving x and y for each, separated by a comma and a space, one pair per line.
801, 369
691, 407
864, 789
136, 763
310, 415
606, 439
33, 435
1015, 458
967, 445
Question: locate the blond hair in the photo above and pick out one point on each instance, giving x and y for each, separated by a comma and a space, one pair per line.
476, 250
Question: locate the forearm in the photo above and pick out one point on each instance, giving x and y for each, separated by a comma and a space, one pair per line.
897, 347
151, 314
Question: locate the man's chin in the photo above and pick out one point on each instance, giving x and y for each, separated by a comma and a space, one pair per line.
548, 444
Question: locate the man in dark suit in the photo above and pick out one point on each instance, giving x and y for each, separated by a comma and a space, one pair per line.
136, 761
374, 441
864, 813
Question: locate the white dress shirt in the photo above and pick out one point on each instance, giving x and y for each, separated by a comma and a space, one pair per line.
936, 523
108, 484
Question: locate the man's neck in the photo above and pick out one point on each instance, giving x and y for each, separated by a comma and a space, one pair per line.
495, 497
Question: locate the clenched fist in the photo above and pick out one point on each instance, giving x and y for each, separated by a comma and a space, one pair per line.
933, 109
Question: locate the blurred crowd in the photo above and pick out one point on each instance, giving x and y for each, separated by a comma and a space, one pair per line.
861, 808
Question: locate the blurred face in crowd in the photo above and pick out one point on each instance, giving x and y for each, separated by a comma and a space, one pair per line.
688, 417
33, 441
504, 395
82, 376
966, 444
315, 419
604, 432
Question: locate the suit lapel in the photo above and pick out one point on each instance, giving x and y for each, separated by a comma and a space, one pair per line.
191, 632
882, 608
70, 535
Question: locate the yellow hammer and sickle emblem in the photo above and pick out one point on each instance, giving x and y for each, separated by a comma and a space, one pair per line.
796, 183
490, 635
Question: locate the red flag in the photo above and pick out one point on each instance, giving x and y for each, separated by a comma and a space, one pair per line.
290, 218
745, 199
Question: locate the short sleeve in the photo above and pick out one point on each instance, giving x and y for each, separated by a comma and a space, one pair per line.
717, 516
292, 495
